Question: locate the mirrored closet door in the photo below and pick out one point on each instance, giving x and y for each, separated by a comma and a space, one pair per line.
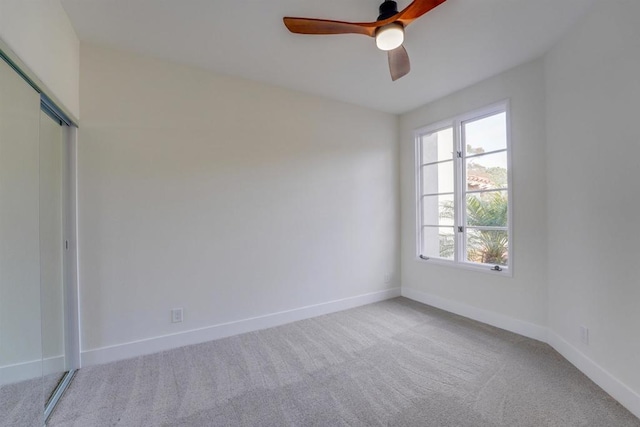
38, 334
21, 395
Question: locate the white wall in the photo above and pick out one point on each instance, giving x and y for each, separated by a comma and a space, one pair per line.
229, 198
521, 299
593, 102
40, 33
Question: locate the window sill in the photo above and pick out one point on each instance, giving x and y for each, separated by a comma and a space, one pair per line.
505, 272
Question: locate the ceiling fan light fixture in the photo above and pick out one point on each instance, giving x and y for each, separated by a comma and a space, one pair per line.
390, 36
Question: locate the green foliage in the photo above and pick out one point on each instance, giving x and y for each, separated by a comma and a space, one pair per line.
483, 246
447, 245
447, 241
487, 209
488, 246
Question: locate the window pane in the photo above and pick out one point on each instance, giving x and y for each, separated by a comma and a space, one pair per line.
437, 210
488, 246
487, 134
438, 242
437, 178
487, 171
437, 146
488, 209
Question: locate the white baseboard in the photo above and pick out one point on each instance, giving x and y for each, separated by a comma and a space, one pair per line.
18, 372
52, 365
196, 336
498, 320
616, 388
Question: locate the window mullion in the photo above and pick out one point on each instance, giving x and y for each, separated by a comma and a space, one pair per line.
420, 199
458, 202
462, 194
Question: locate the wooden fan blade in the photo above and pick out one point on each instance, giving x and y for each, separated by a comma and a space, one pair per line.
399, 65
324, 26
416, 9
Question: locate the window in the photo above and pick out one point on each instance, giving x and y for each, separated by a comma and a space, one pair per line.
463, 190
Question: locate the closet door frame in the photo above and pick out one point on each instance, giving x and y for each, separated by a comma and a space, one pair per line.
70, 251
70, 343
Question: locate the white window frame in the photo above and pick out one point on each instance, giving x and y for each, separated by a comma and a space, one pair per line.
455, 123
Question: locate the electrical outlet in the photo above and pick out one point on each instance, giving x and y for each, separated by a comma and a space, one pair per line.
584, 335
176, 315
387, 279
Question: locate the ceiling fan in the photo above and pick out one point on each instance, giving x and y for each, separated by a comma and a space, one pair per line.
388, 30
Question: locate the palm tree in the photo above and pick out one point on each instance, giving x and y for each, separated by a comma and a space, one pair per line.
487, 210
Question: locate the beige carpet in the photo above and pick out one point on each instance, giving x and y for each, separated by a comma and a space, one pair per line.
397, 363
22, 404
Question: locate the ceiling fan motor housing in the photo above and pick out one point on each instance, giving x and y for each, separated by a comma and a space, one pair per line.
387, 9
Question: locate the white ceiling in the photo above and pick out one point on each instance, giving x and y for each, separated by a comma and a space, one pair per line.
455, 45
